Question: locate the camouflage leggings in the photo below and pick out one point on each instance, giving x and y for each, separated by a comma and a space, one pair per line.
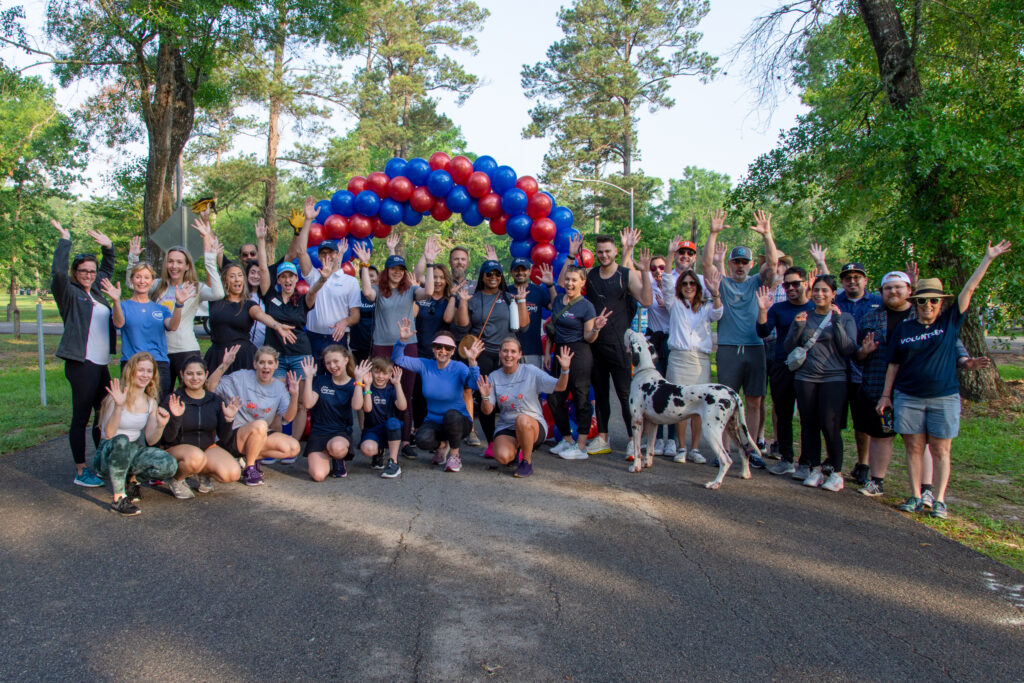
118, 458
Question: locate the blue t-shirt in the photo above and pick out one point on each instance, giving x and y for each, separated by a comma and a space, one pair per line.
383, 402
927, 355
144, 329
538, 299
738, 326
441, 387
780, 317
430, 320
857, 309
332, 413
569, 327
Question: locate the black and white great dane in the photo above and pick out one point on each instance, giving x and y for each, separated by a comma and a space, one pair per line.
654, 401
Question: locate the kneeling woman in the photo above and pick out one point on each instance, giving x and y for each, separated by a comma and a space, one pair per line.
131, 423
198, 431
515, 390
331, 398
264, 402
444, 380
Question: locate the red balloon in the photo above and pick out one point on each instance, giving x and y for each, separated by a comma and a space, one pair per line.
461, 168
400, 188
543, 253
316, 234
356, 184
498, 224
359, 226
585, 258
378, 184
440, 211
479, 184
539, 206
380, 229
336, 227
439, 160
528, 185
535, 274
301, 287
421, 200
489, 205
543, 230
349, 268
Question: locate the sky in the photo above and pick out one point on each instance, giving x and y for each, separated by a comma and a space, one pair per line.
717, 125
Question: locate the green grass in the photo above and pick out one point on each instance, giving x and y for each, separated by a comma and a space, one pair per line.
1011, 372
27, 306
24, 422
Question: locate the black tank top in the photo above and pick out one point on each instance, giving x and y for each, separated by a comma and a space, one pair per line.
614, 295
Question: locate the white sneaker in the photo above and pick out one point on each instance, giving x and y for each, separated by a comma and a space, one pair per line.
696, 457
815, 478
659, 447
598, 446
680, 455
562, 446
670, 448
834, 482
630, 455
572, 453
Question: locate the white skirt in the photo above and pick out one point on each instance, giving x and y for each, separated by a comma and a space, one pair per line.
688, 367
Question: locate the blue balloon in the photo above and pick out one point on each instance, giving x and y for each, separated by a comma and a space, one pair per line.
390, 212
471, 216
417, 170
562, 239
439, 182
514, 201
521, 248
562, 217
367, 243
411, 216
458, 199
559, 263
343, 203
395, 167
485, 164
323, 210
367, 203
313, 256
518, 227
503, 178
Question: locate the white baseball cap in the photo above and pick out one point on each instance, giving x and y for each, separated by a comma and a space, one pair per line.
895, 276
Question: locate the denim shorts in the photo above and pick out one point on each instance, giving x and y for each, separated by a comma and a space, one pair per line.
286, 363
938, 417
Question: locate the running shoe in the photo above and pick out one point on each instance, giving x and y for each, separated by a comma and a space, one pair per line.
523, 470
940, 511
267, 461
252, 476
773, 451
202, 483
814, 479
762, 445
834, 482
439, 457
670, 448
928, 499
873, 488
782, 467
338, 470
489, 453
659, 447
289, 461
179, 489
695, 457
88, 479
801, 472
125, 507
756, 462
911, 504
409, 452
561, 446
472, 439
133, 491
680, 455
574, 453
453, 463
378, 462
392, 470
629, 451
598, 446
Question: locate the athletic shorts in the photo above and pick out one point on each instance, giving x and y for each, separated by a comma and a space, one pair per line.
743, 368
938, 417
317, 443
378, 433
511, 431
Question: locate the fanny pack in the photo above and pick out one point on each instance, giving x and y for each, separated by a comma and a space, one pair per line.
549, 326
798, 355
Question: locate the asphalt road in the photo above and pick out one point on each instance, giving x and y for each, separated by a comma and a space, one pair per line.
582, 572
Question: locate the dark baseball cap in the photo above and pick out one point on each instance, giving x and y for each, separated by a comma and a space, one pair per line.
489, 265
853, 267
394, 260
741, 254
327, 245
521, 263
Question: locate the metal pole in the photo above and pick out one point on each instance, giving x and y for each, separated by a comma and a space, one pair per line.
631, 208
42, 354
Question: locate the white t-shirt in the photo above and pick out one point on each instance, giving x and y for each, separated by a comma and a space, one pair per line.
519, 394
334, 301
97, 345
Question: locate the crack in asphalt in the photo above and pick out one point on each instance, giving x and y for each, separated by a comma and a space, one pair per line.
914, 651
557, 599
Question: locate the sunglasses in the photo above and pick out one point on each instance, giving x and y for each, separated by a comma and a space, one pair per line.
493, 273
248, 254
442, 347
691, 252
934, 301
792, 284
657, 267
688, 283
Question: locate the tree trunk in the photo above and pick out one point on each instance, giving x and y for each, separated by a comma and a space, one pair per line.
273, 132
892, 48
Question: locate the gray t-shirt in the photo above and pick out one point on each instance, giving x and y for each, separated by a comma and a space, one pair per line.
498, 326
388, 312
826, 360
519, 394
739, 317
259, 401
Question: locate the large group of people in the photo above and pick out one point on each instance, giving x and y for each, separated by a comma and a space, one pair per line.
410, 359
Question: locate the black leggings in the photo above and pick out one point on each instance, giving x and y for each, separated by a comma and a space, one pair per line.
784, 401
454, 428
488, 362
89, 383
822, 409
579, 384
610, 362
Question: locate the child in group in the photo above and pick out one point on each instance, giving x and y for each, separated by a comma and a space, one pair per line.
331, 398
383, 398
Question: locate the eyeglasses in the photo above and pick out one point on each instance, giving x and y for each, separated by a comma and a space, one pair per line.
933, 301
82, 271
792, 284
682, 252
657, 267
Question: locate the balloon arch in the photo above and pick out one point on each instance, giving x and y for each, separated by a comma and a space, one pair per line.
407, 191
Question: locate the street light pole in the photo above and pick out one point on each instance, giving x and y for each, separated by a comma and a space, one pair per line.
620, 189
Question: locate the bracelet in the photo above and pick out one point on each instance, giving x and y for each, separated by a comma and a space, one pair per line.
177, 305
520, 301
367, 392
360, 384
428, 265
485, 398
564, 371
364, 264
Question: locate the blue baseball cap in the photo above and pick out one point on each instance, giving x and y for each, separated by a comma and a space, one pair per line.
287, 267
488, 266
521, 263
394, 260
741, 254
